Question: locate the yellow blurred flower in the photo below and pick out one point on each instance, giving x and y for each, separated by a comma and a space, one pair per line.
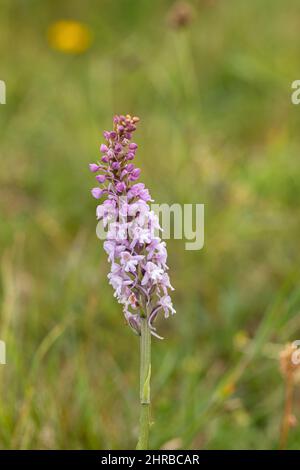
69, 36
241, 340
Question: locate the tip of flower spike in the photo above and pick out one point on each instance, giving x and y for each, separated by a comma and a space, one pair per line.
122, 120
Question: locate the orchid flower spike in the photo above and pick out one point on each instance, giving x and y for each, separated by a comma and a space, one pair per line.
137, 255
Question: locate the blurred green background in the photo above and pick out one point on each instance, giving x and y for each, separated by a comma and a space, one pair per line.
211, 82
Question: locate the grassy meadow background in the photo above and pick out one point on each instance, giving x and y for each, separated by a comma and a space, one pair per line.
217, 127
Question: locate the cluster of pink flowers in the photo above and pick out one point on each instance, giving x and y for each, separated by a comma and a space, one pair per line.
137, 255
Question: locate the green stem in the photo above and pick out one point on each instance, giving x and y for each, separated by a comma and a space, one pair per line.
145, 375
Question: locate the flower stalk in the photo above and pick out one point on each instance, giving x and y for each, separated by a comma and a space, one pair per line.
145, 378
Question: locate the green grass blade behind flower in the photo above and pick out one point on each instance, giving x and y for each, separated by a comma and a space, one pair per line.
278, 311
21, 436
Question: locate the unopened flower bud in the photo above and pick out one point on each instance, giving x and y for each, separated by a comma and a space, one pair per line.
115, 165
120, 187
96, 193
118, 148
93, 167
129, 167
100, 178
133, 146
